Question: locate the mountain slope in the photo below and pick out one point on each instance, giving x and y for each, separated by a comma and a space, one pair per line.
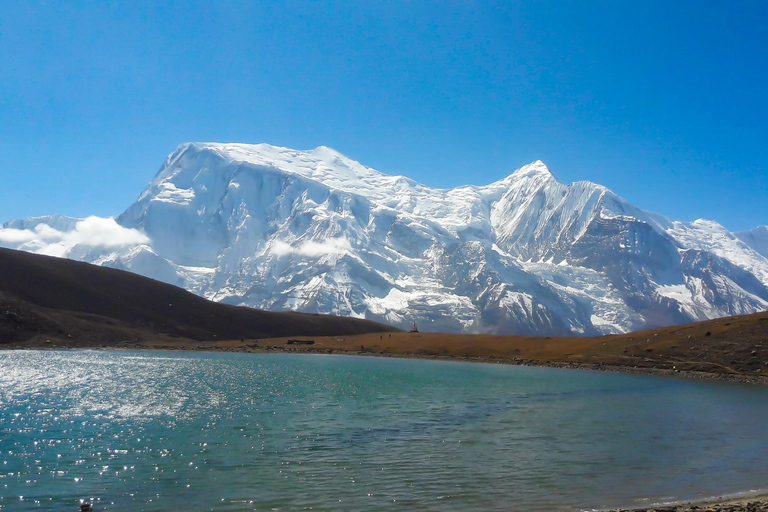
756, 238
54, 297
315, 231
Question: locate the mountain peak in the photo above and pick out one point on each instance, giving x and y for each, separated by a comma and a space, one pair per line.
534, 169
327, 150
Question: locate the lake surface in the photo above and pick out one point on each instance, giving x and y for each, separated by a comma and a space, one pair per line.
200, 431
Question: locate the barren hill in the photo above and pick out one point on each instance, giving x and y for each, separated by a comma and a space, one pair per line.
62, 300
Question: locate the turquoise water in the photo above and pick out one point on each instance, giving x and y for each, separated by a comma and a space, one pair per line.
197, 431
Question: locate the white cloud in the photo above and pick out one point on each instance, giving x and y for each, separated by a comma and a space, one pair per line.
10, 236
312, 249
91, 231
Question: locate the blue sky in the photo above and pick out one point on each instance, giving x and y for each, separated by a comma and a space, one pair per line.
663, 102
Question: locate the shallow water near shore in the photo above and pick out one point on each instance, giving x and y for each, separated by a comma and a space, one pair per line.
201, 431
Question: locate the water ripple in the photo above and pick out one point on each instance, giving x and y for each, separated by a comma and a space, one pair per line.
152, 431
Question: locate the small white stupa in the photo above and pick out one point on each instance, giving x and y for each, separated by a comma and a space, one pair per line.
414, 328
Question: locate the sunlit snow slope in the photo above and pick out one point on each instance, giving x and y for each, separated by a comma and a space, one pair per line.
315, 231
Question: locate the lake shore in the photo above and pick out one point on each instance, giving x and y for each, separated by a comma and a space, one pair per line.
731, 348
401, 345
747, 502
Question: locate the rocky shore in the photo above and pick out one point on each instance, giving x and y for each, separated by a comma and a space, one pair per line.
751, 504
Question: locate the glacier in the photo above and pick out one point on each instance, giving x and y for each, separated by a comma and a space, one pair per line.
315, 231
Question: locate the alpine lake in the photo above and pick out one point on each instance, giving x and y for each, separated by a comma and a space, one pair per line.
158, 431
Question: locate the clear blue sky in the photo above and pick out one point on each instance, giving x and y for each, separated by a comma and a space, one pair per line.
666, 103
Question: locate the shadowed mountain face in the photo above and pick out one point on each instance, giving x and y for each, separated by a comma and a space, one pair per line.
756, 238
54, 298
315, 231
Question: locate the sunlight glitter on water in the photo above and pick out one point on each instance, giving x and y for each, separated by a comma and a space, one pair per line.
149, 431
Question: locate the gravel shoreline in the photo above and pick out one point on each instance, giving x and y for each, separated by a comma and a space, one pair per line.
745, 503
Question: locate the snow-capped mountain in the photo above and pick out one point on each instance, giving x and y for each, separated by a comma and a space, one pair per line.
315, 231
756, 238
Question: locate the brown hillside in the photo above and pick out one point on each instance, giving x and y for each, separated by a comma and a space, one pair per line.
53, 298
